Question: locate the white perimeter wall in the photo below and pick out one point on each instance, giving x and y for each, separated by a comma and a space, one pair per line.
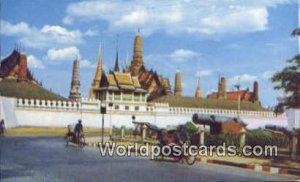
60, 114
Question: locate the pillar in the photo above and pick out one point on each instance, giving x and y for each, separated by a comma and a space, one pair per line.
242, 137
201, 136
144, 132
294, 148
122, 132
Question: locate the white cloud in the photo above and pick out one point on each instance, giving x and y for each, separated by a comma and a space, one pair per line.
90, 33
204, 73
68, 54
268, 74
180, 55
64, 54
244, 78
34, 62
87, 64
194, 17
67, 20
10, 29
45, 37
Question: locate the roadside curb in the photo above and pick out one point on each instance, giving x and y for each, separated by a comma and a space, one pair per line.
94, 144
254, 167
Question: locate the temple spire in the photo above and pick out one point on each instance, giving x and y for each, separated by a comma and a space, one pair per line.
75, 84
117, 69
137, 60
198, 90
255, 91
222, 88
178, 87
98, 73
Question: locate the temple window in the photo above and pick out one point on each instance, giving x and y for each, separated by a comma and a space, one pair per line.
127, 96
136, 108
117, 96
136, 97
110, 95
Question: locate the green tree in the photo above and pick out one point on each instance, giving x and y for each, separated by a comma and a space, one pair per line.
289, 82
190, 128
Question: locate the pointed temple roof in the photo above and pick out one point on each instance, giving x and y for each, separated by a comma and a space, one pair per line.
117, 68
98, 73
198, 90
11, 87
8, 66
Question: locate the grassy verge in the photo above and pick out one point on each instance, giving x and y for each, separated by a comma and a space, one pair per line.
27, 131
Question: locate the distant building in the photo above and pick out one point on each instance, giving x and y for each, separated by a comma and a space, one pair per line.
15, 67
16, 80
245, 95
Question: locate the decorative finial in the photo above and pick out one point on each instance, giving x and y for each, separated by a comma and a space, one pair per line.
126, 60
117, 68
139, 31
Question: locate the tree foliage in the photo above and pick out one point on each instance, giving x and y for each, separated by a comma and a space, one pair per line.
289, 81
190, 128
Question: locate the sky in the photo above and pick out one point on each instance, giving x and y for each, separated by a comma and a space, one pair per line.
241, 40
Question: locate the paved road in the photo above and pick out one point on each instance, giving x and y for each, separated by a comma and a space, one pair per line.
48, 159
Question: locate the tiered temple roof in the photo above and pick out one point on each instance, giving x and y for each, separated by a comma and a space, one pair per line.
16, 80
117, 81
10, 67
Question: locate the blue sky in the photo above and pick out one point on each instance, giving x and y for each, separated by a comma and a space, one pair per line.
241, 40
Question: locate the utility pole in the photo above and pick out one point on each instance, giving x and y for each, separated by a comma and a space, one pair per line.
102, 111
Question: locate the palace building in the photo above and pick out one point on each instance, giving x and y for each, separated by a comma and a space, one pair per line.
136, 81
